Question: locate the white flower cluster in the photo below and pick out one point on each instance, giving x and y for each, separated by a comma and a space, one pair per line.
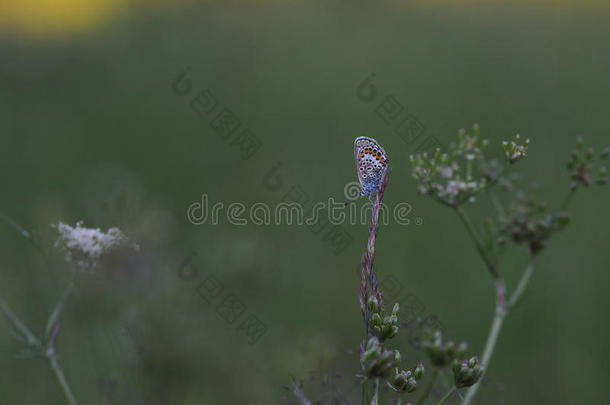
449, 178
456, 177
85, 246
515, 151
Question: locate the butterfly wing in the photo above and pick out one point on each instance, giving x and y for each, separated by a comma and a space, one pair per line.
371, 163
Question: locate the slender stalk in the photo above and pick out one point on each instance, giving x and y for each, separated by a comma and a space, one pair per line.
492, 338
365, 393
54, 317
568, 200
18, 325
491, 265
61, 378
428, 388
368, 281
375, 400
497, 204
447, 395
496, 325
525, 278
22, 231
299, 394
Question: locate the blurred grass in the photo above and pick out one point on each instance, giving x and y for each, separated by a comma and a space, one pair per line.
91, 130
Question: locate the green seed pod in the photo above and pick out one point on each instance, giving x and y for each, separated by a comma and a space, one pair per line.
418, 373
372, 304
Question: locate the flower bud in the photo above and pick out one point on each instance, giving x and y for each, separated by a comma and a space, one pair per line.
563, 218
393, 319
411, 385
467, 372
395, 309
418, 373
393, 331
375, 320
372, 304
399, 381
373, 343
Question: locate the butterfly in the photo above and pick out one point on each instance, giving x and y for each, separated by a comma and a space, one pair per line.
371, 164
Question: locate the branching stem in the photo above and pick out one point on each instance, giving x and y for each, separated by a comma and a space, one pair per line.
447, 395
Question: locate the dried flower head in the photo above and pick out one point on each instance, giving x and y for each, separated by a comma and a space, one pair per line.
528, 222
378, 362
86, 246
584, 167
442, 353
467, 372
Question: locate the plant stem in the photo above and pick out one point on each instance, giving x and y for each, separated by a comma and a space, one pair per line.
428, 388
32, 340
497, 204
447, 396
525, 278
492, 338
364, 395
568, 199
22, 231
61, 378
299, 394
375, 400
18, 325
480, 247
54, 317
369, 286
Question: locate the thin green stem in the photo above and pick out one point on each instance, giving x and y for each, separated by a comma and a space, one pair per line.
58, 308
22, 231
480, 247
568, 200
61, 378
365, 394
375, 400
31, 339
525, 278
428, 388
496, 326
447, 395
497, 204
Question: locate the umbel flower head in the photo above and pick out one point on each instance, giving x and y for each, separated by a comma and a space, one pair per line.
442, 353
86, 246
529, 223
448, 177
378, 362
467, 372
455, 177
384, 327
582, 166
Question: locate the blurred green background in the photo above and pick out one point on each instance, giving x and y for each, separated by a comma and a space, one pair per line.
91, 130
